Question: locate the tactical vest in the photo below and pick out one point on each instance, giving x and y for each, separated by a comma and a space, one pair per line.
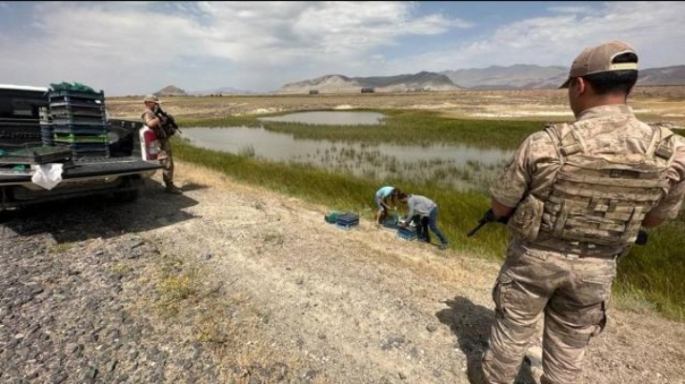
603, 198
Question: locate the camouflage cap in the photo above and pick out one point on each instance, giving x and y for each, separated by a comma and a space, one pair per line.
599, 59
151, 98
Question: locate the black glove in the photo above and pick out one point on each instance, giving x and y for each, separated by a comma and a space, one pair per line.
641, 237
490, 215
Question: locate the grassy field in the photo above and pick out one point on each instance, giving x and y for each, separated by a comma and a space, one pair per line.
651, 273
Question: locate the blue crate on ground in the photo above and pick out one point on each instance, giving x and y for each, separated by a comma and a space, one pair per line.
408, 233
347, 226
347, 221
390, 223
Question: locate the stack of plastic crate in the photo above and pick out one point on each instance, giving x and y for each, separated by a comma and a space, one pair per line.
79, 122
347, 221
45, 126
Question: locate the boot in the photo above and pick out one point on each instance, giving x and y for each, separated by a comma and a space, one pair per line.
171, 188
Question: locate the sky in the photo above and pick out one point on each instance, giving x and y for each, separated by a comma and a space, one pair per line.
134, 48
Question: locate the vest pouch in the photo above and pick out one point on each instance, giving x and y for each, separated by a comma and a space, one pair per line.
525, 222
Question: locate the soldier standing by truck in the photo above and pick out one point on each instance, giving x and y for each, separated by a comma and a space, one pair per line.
156, 122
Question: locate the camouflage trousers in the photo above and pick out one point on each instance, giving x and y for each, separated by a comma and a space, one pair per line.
570, 292
166, 159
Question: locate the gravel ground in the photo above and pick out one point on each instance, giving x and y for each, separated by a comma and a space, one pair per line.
234, 284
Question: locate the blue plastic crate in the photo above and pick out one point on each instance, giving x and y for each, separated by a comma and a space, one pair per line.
75, 96
347, 226
79, 129
408, 233
46, 137
73, 105
96, 116
83, 121
390, 223
347, 220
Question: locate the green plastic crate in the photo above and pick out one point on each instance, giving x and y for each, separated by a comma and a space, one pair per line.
71, 138
332, 217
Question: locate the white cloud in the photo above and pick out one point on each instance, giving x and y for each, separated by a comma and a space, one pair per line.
138, 47
571, 9
118, 45
653, 28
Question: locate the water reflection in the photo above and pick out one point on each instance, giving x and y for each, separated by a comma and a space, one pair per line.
330, 118
458, 165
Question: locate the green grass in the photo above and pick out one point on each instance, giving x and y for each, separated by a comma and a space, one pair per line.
656, 271
400, 127
653, 272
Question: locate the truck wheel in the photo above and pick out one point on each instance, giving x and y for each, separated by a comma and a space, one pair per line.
126, 196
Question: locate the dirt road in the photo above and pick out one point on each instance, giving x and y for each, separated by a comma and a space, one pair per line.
231, 283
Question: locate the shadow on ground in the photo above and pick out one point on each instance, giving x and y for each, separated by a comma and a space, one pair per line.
102, 216
188, 187
471, 324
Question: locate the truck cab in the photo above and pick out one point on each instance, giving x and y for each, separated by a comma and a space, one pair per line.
129, 158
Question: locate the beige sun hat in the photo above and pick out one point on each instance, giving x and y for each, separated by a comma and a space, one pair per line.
151, 98
599, 59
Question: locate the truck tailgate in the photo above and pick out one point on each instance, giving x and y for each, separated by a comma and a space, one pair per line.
90, 167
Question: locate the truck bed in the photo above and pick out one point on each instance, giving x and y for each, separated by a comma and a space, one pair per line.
108, 161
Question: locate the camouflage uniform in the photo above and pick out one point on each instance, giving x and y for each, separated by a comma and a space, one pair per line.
165, 158
566, 282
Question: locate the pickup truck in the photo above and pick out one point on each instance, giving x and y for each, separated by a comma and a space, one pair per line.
132, 152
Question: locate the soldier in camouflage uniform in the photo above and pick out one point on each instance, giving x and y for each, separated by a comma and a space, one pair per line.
576, 196
164, 157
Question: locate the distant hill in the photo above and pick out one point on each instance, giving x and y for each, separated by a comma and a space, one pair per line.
422, 81
171, 91
221, 91
521, 76
517, 76
663, 76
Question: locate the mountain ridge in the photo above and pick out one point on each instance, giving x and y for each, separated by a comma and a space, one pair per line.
420, 81
494, 77
517, 76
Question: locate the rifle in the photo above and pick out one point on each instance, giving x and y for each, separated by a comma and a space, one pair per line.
167, 123
488, 217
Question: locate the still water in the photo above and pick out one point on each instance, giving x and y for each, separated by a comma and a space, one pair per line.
330, 118
448, 163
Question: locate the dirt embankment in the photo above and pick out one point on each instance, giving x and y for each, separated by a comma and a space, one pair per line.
231, 283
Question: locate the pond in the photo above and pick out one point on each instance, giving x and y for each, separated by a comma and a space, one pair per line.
454, 164
330, 118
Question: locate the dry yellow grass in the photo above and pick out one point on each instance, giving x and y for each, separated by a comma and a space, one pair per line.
663, 103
